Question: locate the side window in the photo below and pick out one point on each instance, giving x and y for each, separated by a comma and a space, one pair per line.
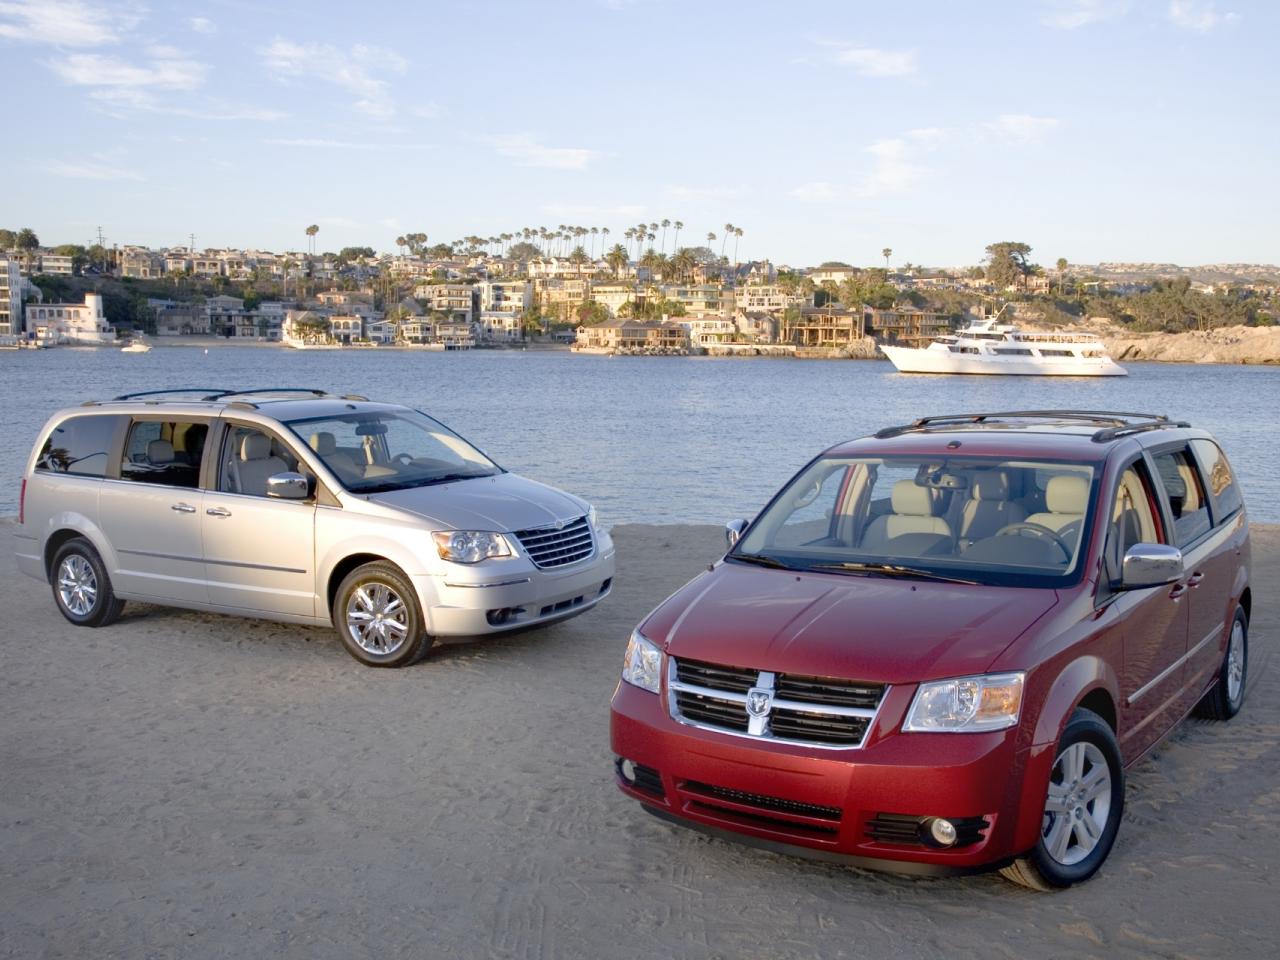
1186, 496
165, 452
249, 457
1133, 519
79, 446
814, 508
1224, 492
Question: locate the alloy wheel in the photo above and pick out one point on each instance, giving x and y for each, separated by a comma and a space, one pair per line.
1235, 662
77, 585
377, 618
1078, 803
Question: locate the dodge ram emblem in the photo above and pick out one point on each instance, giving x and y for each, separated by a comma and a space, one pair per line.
759, 702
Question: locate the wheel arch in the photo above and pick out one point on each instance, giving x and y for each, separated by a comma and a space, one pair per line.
63, 533
1246, 601
344, 567
1087, 682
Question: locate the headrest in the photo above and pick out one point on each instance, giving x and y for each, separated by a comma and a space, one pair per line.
990, 485
324, 443
912, 501
255, 447
160, 451
1067, 493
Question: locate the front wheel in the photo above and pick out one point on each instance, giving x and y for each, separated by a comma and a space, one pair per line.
1083, 805
1227, 696
376, 614
81, 587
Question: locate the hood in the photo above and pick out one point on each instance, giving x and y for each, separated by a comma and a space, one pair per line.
501, 503
852, 627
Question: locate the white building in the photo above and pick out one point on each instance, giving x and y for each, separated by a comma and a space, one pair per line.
10, 298
75, 323
500, 327
504, 296
707, 330
764, 297
456, 300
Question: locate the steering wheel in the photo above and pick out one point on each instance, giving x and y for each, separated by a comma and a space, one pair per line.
1036, 530
403, 458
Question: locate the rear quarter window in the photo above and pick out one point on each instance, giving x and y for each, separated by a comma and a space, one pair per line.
79, 446
1224, 492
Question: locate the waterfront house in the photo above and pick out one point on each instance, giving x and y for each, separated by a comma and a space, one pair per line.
455, 335
700, 298
707, 330
756, 327
455, 300
561, 298
756, 297
612, 296
504, 296
10, 297
75, 323
418, 330
824, 327
345, 328
627, 335
382, 331
906, 326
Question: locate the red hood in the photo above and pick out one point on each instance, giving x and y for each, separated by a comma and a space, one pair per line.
854, 627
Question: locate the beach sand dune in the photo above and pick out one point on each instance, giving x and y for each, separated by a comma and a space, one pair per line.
190, 785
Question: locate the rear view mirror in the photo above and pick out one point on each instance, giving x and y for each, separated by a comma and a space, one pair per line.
1150, 565
733, 530
288, 486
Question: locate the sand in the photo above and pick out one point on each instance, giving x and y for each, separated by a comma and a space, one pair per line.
186, 785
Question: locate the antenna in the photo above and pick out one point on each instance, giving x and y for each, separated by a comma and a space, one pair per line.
102, 241
192, 247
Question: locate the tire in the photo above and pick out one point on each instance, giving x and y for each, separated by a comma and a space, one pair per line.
81, 588
377, 616
1226, 697
1082, 808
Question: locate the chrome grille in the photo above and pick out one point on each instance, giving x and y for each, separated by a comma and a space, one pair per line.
813, 711
551, 547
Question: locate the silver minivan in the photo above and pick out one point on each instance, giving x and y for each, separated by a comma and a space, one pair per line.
301, 506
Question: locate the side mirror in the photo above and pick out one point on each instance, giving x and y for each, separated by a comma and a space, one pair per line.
1150, 565
733, 530
288, 486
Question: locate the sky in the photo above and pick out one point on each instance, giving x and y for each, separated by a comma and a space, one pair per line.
1095, 130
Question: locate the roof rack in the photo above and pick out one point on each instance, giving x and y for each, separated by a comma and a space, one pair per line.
1114, 423
215, 391
221, 393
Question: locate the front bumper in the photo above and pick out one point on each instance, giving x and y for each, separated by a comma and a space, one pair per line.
833, 804
464, 603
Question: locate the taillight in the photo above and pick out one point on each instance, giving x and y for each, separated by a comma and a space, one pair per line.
22, 500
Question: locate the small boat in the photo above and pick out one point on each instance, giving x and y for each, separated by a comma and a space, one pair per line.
136, 346
991, 347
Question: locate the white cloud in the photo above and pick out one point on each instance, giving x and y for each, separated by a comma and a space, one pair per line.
1073, 14
202, 25
870, 62
428, 111
64, 23
577, 210
894, 169
98, 167
816, 190
928, 135
97, 70
527, 152
1198, 16
359, 70
1021, 127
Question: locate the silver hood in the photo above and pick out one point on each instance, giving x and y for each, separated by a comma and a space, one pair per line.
502, 503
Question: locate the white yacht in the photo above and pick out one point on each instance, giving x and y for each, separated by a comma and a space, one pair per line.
991, 347
136, 346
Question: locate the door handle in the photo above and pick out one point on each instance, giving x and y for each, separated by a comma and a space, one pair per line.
1194, 579
183, 508
218, 512
1178, 590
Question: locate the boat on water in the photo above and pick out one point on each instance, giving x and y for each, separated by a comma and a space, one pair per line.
992, 347
136, 346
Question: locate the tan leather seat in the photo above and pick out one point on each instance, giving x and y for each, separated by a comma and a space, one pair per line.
989, 506
326, 446
913, 508
159, 452
257, 464
1067, 498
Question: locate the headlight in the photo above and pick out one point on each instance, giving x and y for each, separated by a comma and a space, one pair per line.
642, 663
966, 704
593, 518
470, 546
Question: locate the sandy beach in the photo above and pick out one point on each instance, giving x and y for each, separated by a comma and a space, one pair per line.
189, 785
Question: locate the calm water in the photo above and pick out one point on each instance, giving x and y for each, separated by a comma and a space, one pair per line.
657, 440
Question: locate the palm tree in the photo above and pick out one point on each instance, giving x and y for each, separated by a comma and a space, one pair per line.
675, 244
728, 232
665, 224
737, 235
682, 261
400, 245
617, 258
311, 233
711, 238
1062, 269
886, 253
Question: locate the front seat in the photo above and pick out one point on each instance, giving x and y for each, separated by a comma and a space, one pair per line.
912, 514
989, 507
1067, 497
257, 464
326, 447
159, 453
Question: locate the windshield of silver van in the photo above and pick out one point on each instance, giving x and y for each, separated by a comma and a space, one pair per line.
373, 451
985, 520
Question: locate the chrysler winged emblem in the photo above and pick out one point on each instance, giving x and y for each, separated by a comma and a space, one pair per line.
759, 702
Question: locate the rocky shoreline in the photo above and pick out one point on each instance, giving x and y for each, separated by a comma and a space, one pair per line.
1236, 345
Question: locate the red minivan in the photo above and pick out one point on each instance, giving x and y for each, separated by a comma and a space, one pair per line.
937, 649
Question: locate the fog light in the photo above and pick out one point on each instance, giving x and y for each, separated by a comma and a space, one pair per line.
942, 831
628, 771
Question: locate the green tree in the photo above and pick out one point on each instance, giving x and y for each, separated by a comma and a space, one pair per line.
887, 252
8, 240
311, 232
1062, 273
617, 258
1007, 263
27, 244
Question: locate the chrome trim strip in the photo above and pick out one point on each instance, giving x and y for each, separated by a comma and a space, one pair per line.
675, 686
1151, 684
220, 563
161, 556
496, 583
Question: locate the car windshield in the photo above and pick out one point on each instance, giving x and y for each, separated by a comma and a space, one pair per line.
984, 520
373, 451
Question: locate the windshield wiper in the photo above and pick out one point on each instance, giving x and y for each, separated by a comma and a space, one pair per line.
761, 560
889, 570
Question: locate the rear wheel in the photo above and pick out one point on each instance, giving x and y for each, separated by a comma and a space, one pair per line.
1084, 801
1227, 696
81, 587
376, 614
